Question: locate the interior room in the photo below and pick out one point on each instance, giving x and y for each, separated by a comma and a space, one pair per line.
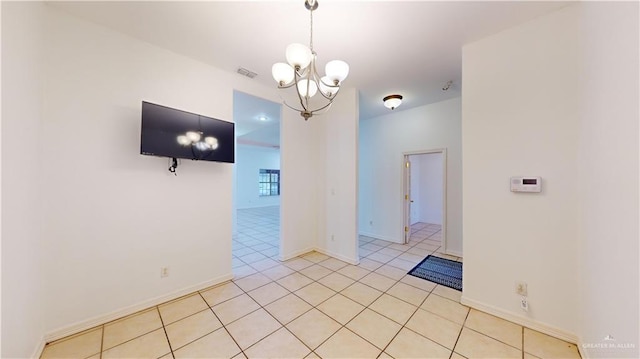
297, 243
256, 234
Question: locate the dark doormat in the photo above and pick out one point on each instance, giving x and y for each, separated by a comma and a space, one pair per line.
439, 270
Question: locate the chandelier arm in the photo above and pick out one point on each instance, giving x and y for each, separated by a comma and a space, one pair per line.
302, 101
333, 95
286, 86
321, 108
318, 79
284, 102
330, 85
296, 76
324, 109
310, 74
303, 72
291, 107
327, 97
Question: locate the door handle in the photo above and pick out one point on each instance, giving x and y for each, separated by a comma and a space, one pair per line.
411, 201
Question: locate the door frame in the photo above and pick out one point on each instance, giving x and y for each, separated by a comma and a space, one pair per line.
406, 188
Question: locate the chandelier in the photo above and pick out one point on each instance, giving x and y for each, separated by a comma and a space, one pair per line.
300, 71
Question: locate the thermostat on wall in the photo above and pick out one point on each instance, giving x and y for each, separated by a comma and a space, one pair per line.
526, 184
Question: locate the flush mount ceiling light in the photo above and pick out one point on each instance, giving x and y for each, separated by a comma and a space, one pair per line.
300, 71
392, 101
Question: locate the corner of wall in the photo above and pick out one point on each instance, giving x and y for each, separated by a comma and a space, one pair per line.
37, 352
23, 297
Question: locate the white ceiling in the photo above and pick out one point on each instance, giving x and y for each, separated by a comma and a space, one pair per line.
257, 120
408, 47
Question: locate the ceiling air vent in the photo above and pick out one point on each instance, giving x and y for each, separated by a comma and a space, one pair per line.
244, 72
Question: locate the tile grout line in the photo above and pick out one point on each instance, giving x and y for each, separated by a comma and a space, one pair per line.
164, 328
138, 336
403, 325
495, 339
194, 314
460, 333
102, 340
274, 318
522, 341
221, 323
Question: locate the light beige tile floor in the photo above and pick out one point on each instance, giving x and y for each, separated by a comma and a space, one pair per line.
315, 306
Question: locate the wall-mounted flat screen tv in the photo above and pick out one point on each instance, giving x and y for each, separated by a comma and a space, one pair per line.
168, 132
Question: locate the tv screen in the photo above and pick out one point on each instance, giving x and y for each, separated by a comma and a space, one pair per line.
168, 132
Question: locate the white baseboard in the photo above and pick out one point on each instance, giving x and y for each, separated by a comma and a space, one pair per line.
319, 250
37, 352
376, 236
105, 318
352, 261
286, 257
453, 253
259, 206
525, 322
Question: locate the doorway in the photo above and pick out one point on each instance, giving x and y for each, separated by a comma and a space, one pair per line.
424, 201
256, 186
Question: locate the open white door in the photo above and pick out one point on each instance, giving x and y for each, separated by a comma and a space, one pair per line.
407, 199
439, 188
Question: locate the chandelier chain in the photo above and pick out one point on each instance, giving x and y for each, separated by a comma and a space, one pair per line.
311, 32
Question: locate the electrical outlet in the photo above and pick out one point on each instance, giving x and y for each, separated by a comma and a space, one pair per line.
524, 304
333, 238
371, 223
164, 272
521, 289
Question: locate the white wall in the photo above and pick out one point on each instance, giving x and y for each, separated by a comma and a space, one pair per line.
520, 117
382, 143
338, 178
608, 169
430, 196
300, 175
319, 180
22, 296
249, 161
115, 217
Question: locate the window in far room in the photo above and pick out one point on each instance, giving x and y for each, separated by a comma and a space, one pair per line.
269, 182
